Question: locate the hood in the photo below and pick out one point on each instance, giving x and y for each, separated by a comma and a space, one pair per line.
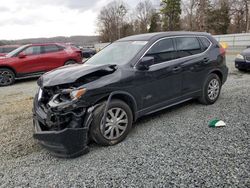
72, 73
246, 52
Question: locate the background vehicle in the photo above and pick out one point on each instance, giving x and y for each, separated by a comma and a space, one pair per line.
242, 60
128, 79
7, 48
35, 59
88, 52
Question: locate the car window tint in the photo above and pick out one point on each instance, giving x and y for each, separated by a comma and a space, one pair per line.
187, 46
51, 48
32, 50
162, 51
205, 43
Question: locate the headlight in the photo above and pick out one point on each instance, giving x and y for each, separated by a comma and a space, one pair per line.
76, 94
239, 56
40, 93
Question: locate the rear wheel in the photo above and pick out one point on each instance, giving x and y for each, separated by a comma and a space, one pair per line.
7, 77
211, 89
69, 62
117, 126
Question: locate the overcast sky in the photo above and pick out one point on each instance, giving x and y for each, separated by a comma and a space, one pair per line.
48, 18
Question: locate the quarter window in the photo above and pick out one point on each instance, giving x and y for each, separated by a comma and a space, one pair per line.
205, 43
163, 51
187, 46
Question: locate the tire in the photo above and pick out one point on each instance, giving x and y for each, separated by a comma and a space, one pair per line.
242, 70
212, 83
70, 62
7, 77
96, 132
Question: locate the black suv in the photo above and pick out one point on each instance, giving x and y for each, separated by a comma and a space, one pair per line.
128, 79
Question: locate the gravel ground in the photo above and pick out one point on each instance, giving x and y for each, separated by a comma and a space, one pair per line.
172, 148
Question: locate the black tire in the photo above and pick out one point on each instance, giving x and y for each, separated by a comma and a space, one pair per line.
70, 62
206, 98
95, 129
7, 77
242, 70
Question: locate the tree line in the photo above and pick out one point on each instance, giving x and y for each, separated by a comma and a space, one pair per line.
117, 20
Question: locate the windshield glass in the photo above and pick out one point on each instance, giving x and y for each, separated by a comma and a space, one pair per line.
118, 53
16, 51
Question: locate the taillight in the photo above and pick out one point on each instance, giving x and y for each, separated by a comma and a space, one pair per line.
222, 51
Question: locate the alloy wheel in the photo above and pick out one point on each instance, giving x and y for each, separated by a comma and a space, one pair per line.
213, 89
6, 77
116, 123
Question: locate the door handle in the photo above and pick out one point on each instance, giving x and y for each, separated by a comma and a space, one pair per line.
176, 69
205, 60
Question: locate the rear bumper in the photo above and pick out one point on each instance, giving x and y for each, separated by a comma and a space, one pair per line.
242, 64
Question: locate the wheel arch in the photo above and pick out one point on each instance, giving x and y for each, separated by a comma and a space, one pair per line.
8, 67
218, 73
125, 97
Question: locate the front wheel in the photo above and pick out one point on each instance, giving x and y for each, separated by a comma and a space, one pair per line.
117, 126
211, 89
7, 77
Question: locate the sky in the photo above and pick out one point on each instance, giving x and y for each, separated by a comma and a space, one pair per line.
21, 19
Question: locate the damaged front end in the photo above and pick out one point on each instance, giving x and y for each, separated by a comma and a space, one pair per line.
62, 117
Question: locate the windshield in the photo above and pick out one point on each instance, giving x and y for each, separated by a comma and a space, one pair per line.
118, 53
16, 51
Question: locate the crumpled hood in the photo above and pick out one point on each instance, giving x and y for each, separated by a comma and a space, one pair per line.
71, 73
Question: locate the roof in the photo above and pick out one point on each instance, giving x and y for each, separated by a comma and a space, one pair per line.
149, 36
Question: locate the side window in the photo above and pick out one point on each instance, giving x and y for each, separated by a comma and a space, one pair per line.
187, 46
32, 50
205, 43
163, 51
51, 48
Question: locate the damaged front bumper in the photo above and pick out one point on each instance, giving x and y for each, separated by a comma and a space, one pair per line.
69, 140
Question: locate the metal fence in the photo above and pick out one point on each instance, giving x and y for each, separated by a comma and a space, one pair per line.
236, 42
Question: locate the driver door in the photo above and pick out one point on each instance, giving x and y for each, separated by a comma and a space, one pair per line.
161, 83
30, 61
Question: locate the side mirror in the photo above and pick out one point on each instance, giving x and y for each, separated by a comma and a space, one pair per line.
21, 55
145, 63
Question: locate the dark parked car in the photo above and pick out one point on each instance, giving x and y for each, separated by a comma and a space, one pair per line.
35, 59
88, 52
5, 49
132, 77
242, 61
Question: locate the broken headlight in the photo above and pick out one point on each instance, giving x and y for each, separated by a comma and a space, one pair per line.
71, 94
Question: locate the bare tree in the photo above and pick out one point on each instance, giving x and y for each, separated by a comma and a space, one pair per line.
111, 21
189, 9
144, 11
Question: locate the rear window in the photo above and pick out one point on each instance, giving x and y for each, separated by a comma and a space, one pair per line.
188, 46
51, 48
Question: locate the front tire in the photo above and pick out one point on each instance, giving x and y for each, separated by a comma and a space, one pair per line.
118, 123
211, 89
7, 77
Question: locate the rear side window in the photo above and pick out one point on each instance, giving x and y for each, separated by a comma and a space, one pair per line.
205, 43
163, 51
32, 50
187, 46
51, 48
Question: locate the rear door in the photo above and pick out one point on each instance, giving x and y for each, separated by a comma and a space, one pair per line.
53, 56
195, 62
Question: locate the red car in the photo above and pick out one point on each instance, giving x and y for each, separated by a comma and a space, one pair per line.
35, 59
7, 49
